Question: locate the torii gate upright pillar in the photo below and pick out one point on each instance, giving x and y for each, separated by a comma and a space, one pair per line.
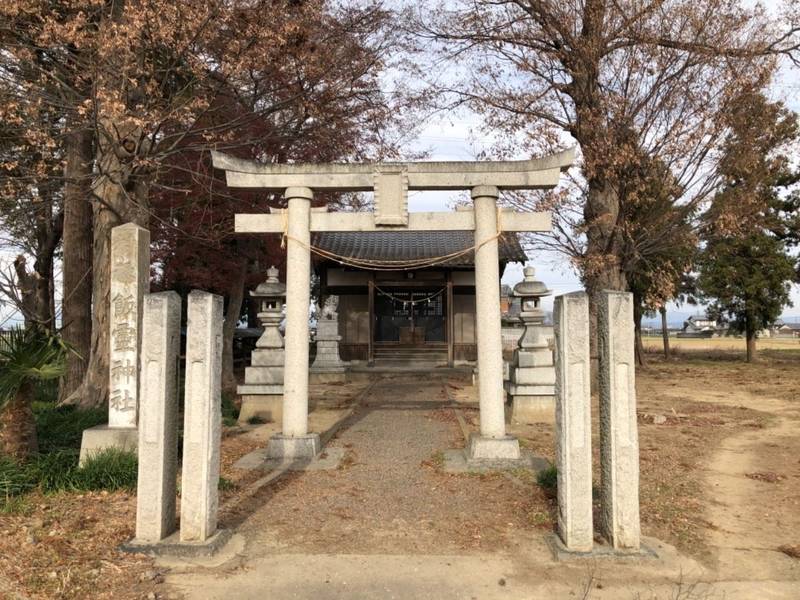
492, 443
295, 441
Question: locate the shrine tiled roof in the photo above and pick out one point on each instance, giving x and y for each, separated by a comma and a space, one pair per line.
412, 245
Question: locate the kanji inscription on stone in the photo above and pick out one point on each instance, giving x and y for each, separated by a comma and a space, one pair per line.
130, 280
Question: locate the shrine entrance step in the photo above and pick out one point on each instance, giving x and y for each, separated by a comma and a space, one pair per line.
421, 356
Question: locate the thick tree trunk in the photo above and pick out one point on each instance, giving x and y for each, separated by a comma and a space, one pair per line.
664, 331
119, 197
18, 426
232, 315
76, 314
601, 267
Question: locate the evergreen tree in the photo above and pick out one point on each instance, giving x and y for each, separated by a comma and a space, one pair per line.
745, 267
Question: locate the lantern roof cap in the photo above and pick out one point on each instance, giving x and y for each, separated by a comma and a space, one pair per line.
270, 288
530, 287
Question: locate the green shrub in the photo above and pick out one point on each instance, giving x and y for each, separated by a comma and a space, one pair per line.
548, 478
110, 469
61, 427
255, 420
230, 414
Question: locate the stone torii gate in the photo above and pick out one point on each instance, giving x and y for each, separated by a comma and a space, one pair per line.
391, 183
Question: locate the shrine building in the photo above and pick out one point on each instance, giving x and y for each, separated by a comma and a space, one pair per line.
420, 316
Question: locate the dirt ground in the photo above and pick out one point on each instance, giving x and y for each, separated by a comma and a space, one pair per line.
720, 490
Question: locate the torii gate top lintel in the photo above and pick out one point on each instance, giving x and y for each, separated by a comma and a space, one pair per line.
391, 182
536, 173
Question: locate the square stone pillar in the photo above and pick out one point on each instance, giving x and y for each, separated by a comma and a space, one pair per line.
492, 444
202, 417
130, 280
158, 417
573, 421
619, 439
295, 440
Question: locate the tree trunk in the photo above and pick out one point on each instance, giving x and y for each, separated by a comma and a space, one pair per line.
18, 425
601, 267
664, 331
750, 334
76, 314
119, 197
232, 315
637, 328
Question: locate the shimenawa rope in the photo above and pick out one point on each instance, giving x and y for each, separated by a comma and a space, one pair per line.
386, 265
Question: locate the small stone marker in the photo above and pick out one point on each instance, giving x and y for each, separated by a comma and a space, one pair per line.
328, 366
573, 421
202, 418
130, 280
158, 417
619, 440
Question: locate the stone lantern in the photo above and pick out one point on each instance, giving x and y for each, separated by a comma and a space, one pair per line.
533, 376
262, 392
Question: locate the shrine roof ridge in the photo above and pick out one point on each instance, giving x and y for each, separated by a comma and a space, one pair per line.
534, 173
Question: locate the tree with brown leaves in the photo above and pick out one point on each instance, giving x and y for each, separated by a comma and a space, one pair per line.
626, 80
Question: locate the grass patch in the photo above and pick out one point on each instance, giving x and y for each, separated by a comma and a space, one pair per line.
255, 420
15, 480
54, 471
548, 479
225, 485
110, 469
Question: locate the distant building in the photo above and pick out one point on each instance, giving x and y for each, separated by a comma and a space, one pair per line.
702, 327
786, 330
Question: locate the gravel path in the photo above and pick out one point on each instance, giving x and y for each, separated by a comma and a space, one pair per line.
389, 495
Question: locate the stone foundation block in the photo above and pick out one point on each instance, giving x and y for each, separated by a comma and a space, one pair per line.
267, 407
533, 409
101, 437
534, 375
482, 448
538, 357
296, 447
263, 375
172, 546
261, 358
327, 376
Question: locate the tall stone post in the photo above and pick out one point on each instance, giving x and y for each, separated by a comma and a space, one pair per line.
492, 443
619, 439
295, 440
130, 280
202, 417
158, 417
573, 421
